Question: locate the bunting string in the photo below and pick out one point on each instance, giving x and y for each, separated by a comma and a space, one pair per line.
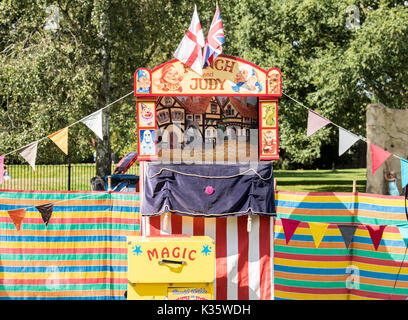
347, 139
301, 104
79, 121
44, 209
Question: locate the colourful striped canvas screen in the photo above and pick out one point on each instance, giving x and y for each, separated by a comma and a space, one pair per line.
82, 254
333, 271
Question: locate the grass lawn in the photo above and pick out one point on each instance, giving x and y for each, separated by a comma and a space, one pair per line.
321, 180
55, 177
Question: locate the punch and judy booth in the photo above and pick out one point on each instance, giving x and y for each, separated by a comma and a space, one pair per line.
205, 145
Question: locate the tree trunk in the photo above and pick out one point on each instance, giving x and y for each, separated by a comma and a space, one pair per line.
103, 148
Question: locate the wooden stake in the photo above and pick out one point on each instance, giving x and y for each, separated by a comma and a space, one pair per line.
354, 186
109, 183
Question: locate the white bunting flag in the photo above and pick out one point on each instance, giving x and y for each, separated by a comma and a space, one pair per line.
29, 153
346, 140
94, 122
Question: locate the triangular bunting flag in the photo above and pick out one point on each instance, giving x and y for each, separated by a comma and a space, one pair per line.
375, 234
315, 122
404, 233
60, 138
94, 122
289, 228
29, 153
1, 168
17, 216
46, 212
347, 232
346, 140
378, 156
318, 229
404, 172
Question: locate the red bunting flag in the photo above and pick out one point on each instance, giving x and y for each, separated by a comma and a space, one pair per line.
17, 216
378, 156
289, 228
376, 233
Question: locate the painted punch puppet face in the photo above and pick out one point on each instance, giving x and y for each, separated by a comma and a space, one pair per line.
172, 76
170, 79
147, 112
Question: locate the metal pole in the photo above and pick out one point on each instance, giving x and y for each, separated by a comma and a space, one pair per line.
69, 174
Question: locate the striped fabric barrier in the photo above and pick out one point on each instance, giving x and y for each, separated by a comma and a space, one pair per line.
333, 271
82, 254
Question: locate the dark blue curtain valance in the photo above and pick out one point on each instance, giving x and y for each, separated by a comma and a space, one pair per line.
208, 190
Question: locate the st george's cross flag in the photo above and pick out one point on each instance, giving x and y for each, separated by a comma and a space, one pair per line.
215, 39
190, 48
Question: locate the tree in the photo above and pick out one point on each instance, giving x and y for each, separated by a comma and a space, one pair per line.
49, 80
329, 67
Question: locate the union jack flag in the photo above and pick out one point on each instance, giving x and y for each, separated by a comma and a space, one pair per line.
215, 39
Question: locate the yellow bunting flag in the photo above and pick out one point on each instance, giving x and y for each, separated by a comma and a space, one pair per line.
60, 138
318, 230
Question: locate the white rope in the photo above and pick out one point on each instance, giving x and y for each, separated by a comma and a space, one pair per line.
167, 209
107, 106
359, 136
211, 177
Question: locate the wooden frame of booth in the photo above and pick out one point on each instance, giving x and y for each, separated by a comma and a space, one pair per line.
228, 76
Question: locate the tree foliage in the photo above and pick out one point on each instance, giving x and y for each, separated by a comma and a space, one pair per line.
49, 80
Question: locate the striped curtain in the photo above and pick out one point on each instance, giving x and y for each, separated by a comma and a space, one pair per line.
244, 260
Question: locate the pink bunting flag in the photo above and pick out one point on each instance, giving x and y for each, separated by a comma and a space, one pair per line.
376, 233
378, 156
1, 168
315, 122
289, 228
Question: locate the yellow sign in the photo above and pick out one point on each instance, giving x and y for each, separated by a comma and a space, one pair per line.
226, 76
171, 259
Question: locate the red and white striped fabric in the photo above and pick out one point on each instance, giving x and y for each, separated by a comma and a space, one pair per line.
189, 50
244, 260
